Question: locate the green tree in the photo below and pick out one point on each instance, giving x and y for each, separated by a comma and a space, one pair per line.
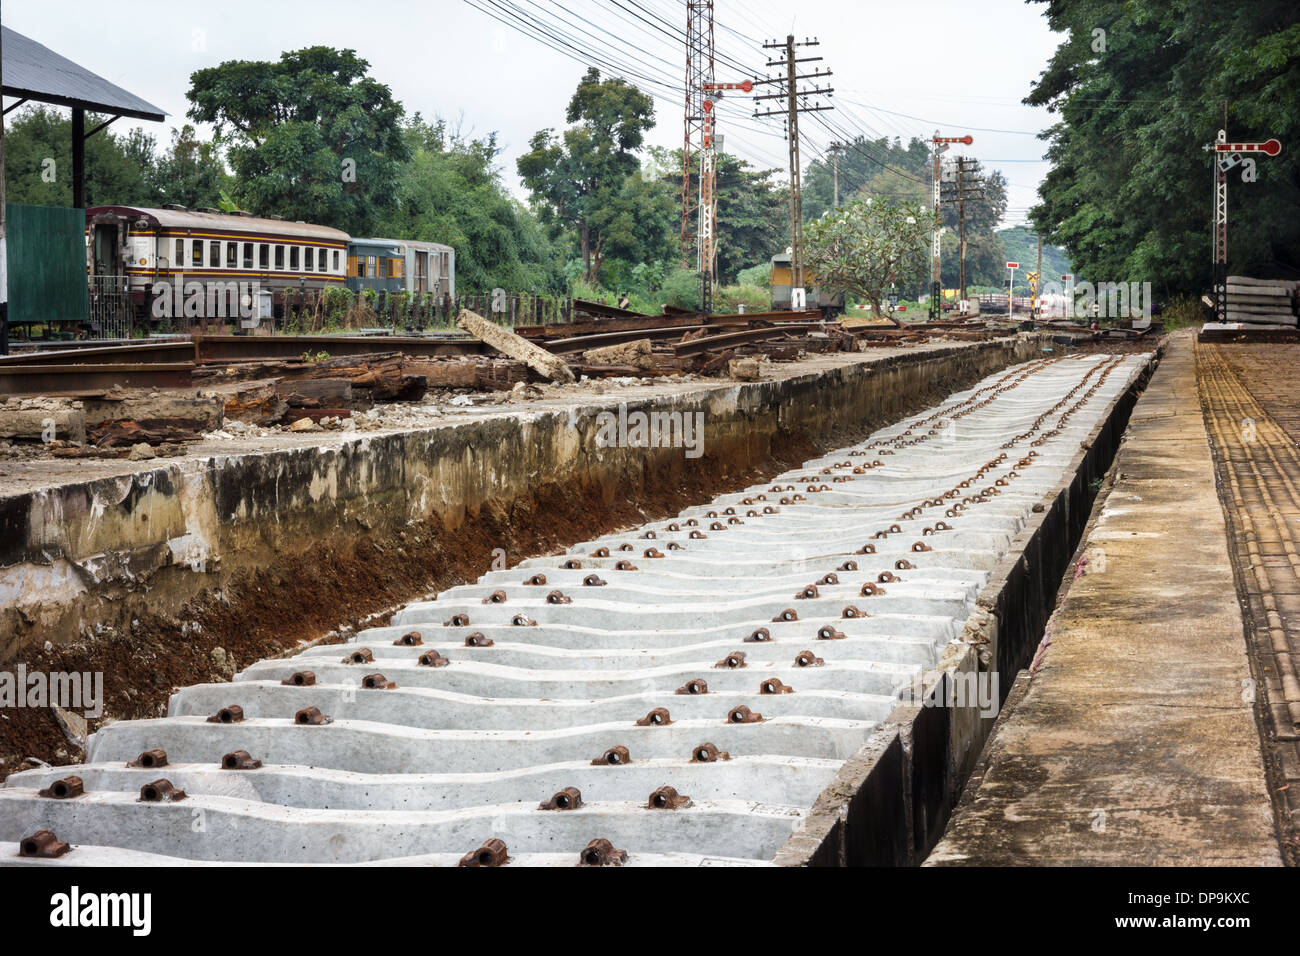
1139, 87
310, 137
866, 246
450, 191
579, 180
191, 172
38, 162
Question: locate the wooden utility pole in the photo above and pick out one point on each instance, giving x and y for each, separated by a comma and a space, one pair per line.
794, 105
834, 150
968, 186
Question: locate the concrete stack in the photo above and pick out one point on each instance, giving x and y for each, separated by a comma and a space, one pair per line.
1264, 304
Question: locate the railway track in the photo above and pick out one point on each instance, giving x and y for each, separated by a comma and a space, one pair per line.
679, 693
1259, 471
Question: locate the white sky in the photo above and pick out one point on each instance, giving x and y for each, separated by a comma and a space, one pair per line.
900, 68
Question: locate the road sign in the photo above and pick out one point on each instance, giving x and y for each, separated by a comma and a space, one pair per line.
1013, 265
1270, 147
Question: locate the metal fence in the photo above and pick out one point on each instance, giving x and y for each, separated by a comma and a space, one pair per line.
111, 312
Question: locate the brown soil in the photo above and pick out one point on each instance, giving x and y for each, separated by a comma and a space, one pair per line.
351, 580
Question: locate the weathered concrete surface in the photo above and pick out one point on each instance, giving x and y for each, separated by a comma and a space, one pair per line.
93, 544
1135, 741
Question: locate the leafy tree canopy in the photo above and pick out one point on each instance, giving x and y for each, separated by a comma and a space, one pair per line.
310, 137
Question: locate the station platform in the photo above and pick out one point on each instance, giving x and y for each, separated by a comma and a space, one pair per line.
1135, 737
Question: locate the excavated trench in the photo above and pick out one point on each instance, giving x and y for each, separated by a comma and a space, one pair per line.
721, 687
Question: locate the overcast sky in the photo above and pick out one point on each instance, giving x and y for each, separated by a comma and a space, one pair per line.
901, 68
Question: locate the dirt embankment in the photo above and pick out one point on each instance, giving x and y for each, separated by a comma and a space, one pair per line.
344, 582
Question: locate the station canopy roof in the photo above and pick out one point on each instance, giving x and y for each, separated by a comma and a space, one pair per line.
35, 72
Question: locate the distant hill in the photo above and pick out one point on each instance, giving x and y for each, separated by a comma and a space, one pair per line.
1022, 247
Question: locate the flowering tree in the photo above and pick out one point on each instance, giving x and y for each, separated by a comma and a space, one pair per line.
865, 246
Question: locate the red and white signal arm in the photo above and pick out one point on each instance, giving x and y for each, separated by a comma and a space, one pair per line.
1067, 277
1270, 147
1013, 265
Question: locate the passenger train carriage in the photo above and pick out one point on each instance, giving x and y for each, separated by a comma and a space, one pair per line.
142, 252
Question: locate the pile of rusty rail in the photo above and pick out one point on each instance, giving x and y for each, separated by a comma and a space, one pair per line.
630, 343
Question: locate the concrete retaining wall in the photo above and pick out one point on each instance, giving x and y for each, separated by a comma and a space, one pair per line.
889, 803
77, 555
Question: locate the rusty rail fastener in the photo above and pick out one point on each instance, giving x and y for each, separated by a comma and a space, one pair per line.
807, 593
743, 715
786, 616
871, 589
600, 553
626, 547
667, 798
496, 597
733, 660
42, 844
535, 580
708, 753
828, 633
649, 536
227, 715
457, 620
902, 564
600, 852
491, 853
624, 566
570, 798
362, 656
593, 581
160, 791
613, 757
866, 549
808, 659
694, 686
774, 686
658, 717
573, 564
697, 535
149, 759
760, 636
377, 682
887, 577
852, 611
433, 659
828, 579
522, 620
312, 717
558, 597
240, 760
299, 679
652, 553
64, 789
674, 546
478, 639
409, 639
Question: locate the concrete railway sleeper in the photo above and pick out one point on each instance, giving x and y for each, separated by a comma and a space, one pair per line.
674, 694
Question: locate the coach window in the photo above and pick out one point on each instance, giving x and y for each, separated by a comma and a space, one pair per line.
196, 252
248, 255
279, 258
336, 261
214, 255
232, 255
179, 261
263, 256
309, 259
371, 265
293, 258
